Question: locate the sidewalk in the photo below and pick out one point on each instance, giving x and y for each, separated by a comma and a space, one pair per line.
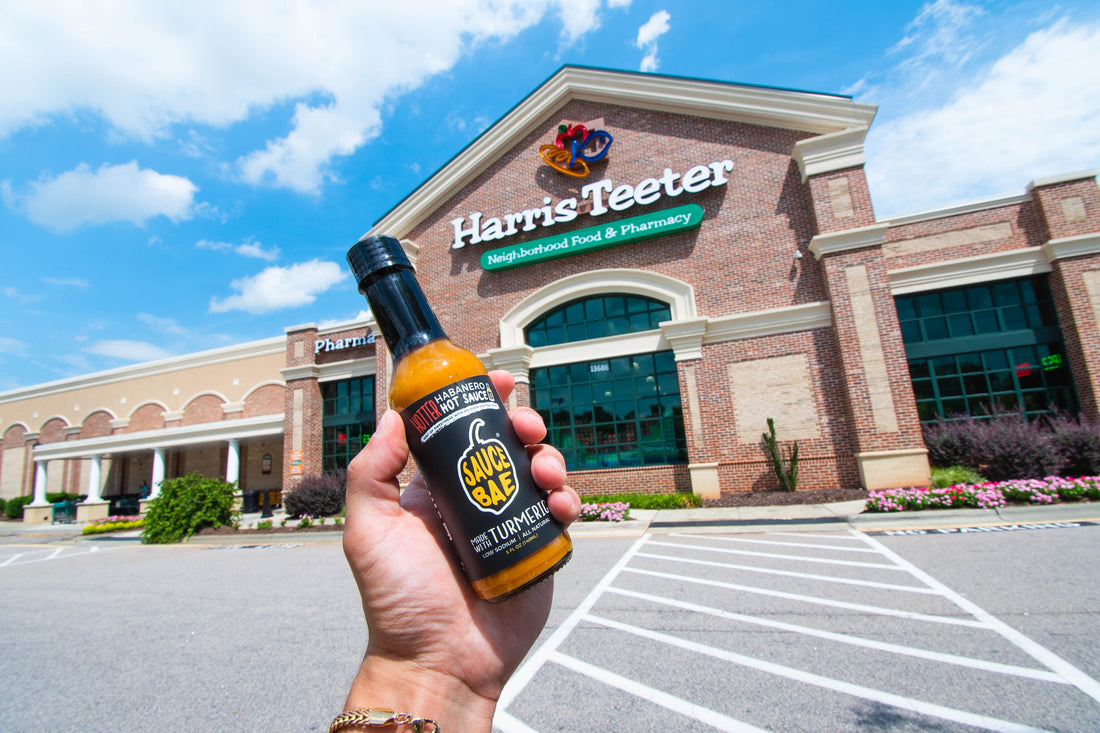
797, 517
808, 517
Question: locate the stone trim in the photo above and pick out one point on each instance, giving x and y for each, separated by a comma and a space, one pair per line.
149, 440
969, 270
831, 152
849, 239
603, 348
1062, 178
305, 371
686, 337
1060, 249
265, 347
949, 212
679, 295
704, 480
769, 322
345, 369
516, 360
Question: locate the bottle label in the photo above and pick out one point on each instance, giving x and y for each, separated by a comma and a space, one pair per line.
479, 476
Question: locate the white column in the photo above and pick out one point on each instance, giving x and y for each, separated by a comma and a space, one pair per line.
94, 480
233, 461
39, 484
158, 472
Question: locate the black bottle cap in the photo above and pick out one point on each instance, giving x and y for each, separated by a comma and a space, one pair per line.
371, 256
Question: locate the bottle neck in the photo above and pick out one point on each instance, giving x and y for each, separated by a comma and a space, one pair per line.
402, 312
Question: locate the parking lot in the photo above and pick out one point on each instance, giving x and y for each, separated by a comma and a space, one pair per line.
827, 628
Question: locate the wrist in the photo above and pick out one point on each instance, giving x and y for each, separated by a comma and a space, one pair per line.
424, 693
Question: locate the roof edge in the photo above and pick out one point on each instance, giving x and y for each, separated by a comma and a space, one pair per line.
768, 106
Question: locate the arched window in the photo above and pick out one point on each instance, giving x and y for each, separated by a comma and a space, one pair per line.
609, 412
596, 317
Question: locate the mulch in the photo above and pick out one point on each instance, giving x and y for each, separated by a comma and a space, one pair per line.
786, 498
223, 530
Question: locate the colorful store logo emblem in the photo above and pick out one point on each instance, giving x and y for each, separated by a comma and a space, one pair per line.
574, 148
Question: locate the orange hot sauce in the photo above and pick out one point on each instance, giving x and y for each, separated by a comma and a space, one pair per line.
459, 433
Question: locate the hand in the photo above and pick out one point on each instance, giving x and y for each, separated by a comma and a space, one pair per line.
435, 649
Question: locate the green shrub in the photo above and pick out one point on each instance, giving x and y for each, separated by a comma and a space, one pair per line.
186, 505
646, 501
2, 502
943, 478
13, 508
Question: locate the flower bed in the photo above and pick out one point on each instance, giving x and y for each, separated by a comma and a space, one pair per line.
616, 511
986, 496
113, 524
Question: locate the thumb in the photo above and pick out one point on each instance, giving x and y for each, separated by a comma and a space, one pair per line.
372, 475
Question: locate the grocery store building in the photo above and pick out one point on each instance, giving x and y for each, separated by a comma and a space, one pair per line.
663, 264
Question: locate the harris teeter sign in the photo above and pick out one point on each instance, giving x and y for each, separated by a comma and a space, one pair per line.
624, 231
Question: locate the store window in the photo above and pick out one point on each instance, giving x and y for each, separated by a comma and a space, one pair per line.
591, 318
347, 421
987, 348
609, 413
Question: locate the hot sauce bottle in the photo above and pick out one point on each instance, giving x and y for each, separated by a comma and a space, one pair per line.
459, 433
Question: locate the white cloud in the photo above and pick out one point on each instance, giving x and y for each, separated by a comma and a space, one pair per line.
940, 33
280, 287
249, 248
651, 30
12, 346
108, 194
147, 67
67, 282
1023, 118
133, 351
169, 326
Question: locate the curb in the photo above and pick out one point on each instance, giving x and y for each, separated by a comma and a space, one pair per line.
794, 517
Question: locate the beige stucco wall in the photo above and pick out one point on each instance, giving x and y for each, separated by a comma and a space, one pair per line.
230, 374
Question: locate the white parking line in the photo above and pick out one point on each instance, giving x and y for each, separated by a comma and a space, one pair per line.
652, 694
809, 535
774, 556
57, 553
1076, 677
534, 662
1053, 669
888, 698
807, 545
794, 574
816, 600
882, 646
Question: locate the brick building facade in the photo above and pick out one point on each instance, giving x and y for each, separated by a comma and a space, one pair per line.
761, 286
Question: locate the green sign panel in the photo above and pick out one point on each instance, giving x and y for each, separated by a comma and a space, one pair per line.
624, 231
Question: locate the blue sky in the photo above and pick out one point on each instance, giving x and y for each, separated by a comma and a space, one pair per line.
179, 176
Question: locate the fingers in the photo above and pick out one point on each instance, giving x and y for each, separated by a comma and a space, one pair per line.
504, 382
548, 470
528, 424
372, 475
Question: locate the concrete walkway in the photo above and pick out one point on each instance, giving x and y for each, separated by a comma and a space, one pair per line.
797, 517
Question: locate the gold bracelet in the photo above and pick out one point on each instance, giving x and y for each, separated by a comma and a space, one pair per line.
379, 718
